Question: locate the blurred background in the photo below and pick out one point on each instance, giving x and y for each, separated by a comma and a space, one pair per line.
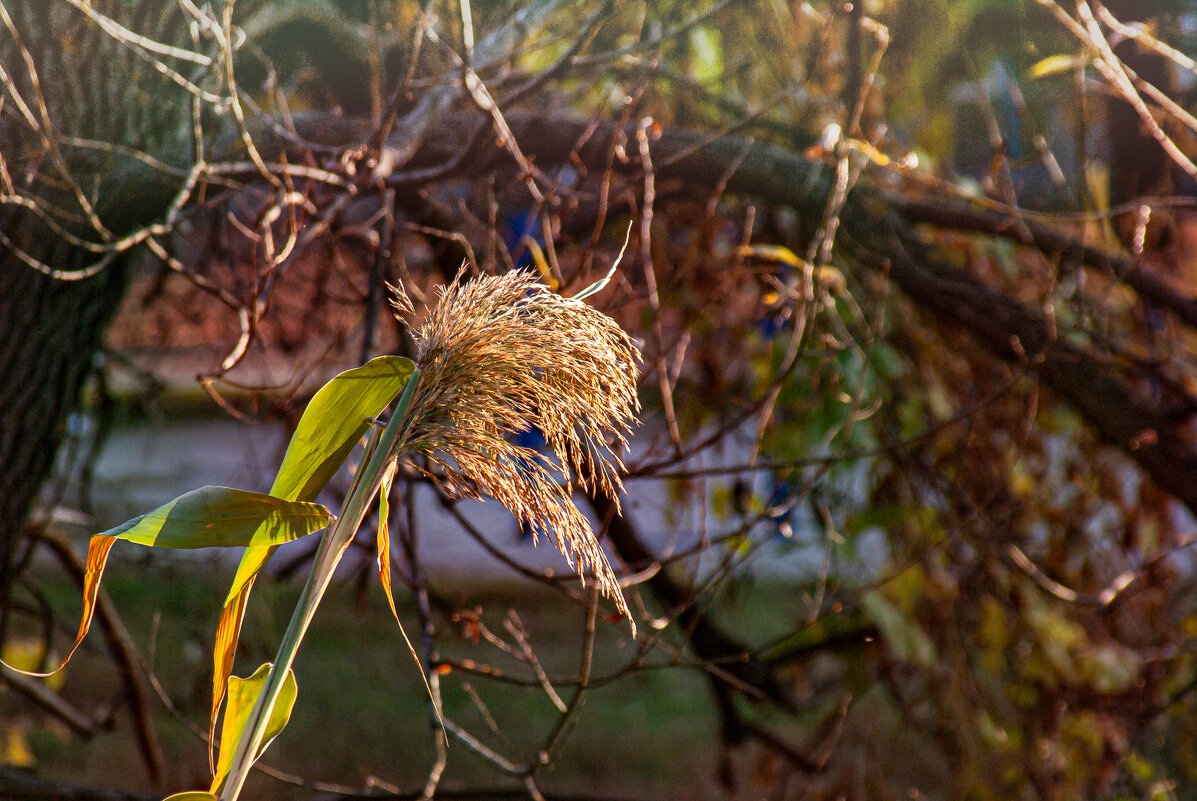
910, 509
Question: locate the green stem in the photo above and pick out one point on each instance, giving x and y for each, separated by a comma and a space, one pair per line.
328, 556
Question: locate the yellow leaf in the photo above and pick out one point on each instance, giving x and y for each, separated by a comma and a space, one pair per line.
1054, 64
771, 253
384, 573
871, 153
831, 278
331, 425
334, 421
228, 630
224, 517
243, 694
384, 542
97, 558
26, 653
14, 748
542, 264
208, 516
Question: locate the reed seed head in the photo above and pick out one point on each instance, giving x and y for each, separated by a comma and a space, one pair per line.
500, 355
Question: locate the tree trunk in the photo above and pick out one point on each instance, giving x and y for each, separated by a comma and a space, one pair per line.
50, 331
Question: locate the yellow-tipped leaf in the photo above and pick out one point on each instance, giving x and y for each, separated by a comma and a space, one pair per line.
202, 518
333, 422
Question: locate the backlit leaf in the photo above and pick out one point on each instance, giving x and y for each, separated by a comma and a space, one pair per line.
772, 253
873, 154
384, 542
206, 517
706, 63
331, 425
223, 517
1052, 65
14, 747
228, 630
384, 573
243, 694
334, 421
97, 558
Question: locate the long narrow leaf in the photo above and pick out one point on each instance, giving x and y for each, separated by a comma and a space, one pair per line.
202, 518
97, 558
384, 542
228, 630
334, 421
384, 576
223, 517
331, 425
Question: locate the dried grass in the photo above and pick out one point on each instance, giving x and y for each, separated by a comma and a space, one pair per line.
499, 355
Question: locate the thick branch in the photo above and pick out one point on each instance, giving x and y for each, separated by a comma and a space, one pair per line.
962, 216
879, 239
1096, 388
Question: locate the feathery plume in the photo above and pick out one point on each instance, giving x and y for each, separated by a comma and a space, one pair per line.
502, 354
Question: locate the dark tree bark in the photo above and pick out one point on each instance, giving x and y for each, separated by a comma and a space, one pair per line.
50, 331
